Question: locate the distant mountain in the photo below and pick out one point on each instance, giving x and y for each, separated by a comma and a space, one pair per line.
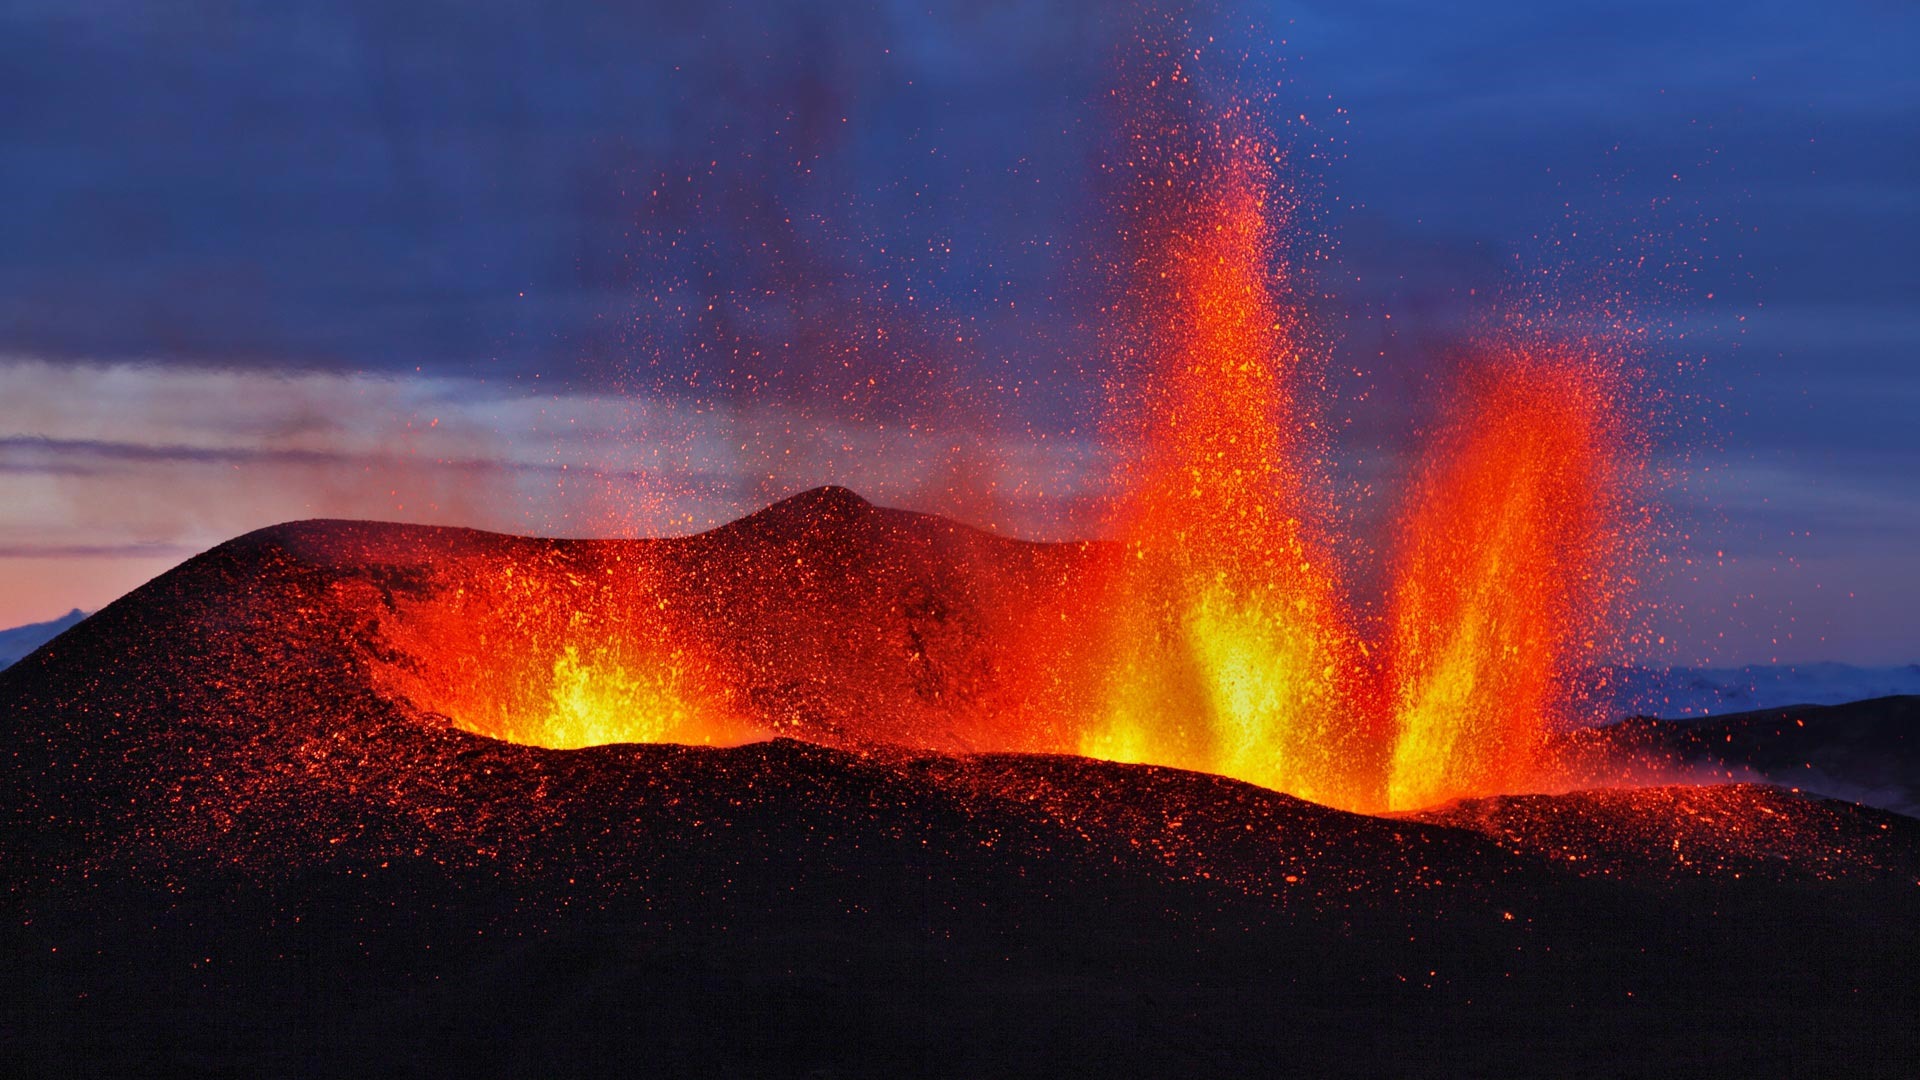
1861, 751
1688, 691
21, 640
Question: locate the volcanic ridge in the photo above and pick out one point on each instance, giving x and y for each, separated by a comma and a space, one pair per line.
345, 797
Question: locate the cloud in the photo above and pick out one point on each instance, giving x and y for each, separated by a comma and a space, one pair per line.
97, 551
142, 464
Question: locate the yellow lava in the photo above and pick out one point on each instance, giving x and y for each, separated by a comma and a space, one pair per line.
594, 699
1245, 687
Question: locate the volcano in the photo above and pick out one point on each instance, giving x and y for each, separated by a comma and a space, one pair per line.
346, 798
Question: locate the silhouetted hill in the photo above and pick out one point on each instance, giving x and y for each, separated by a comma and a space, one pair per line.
1703, 691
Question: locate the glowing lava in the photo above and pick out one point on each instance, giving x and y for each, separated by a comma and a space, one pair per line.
1503, 567
1227, 640
1217, 632
1227, 646
561, 654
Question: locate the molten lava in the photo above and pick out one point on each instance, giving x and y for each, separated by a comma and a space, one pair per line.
1505, 549
562, 654
1218, 631
1226, 640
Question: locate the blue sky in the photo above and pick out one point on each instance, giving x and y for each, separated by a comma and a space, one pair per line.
251, 253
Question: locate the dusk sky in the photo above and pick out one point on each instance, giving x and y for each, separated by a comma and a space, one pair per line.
587, 269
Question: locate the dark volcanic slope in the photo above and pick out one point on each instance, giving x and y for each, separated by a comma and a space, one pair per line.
227, 850
1865, 751
1741, 830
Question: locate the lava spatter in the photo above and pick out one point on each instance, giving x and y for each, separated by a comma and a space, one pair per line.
562, 652
1503, 573
1226, 646
1224, 635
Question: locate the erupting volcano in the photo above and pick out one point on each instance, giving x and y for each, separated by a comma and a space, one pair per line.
1216, 630
1228, 638
835, 782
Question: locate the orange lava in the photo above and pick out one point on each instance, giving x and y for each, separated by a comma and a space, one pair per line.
1503, 566
1227, 641
561, 654
1218, 633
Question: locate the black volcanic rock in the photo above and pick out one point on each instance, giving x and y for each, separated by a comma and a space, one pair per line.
227, 848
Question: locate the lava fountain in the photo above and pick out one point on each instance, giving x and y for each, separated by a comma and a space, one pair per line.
1226, 645
1227, 640
562, 651
1217, 630
1504, 572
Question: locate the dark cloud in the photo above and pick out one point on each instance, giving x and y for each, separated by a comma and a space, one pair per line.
39, 453
384, 185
